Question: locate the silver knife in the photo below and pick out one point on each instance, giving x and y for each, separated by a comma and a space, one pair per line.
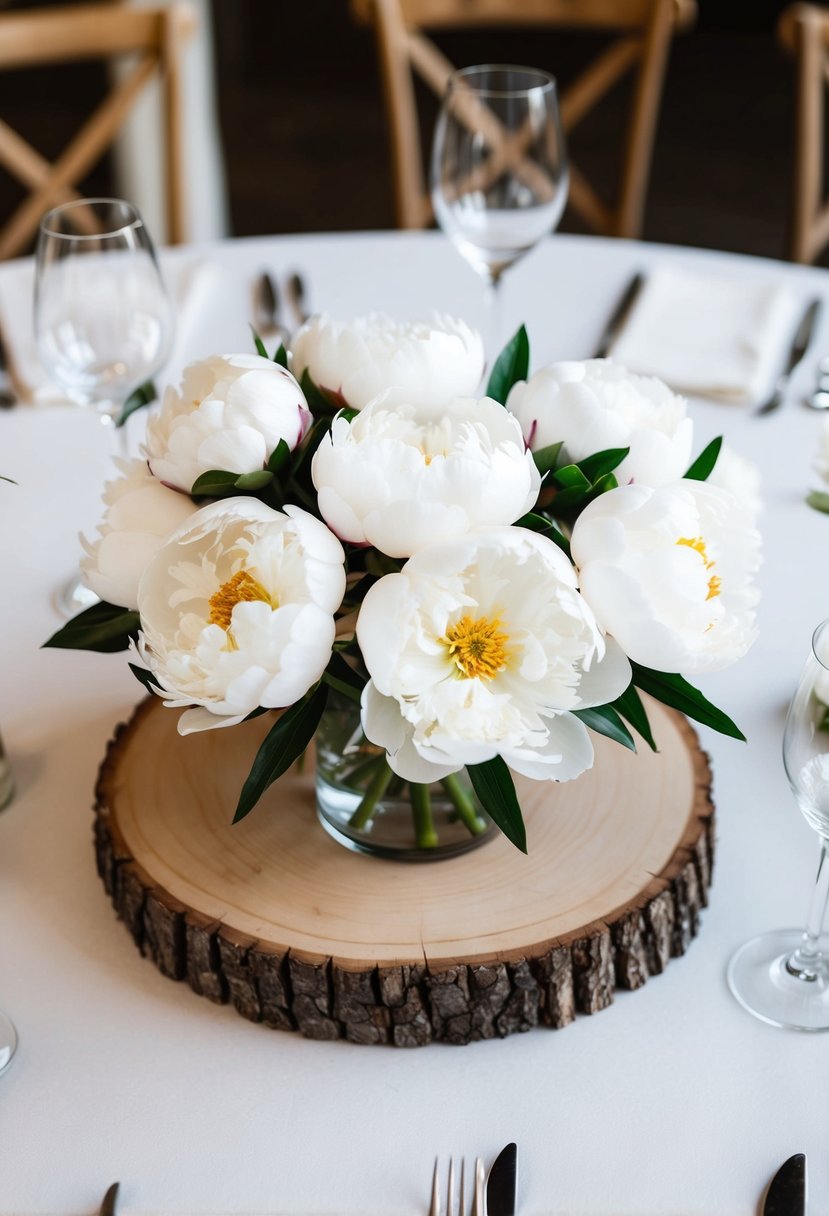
799, 346
786, 1195
109, 1200
619, 316
502, 1183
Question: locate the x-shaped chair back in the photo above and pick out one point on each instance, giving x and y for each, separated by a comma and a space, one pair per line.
642, 29
154, 38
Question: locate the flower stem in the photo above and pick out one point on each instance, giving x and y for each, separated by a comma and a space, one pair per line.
463, 804
425, 835
363, 815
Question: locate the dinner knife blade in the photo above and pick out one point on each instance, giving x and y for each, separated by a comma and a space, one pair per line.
502, 1183
108, 1201
798, 348
786, 1195
619, 316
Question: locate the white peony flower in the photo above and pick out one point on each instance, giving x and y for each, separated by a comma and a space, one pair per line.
668, 573
140, 514
398, 475
237, 610
598, 404
230, 413
430, 361
740, 478
480, 647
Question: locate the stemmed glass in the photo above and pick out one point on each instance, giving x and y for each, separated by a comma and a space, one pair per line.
103, 319
782, 977
499, 174
8, 1041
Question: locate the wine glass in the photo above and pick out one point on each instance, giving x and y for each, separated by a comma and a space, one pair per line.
103, 319
499, 172
782, 977
8, 1041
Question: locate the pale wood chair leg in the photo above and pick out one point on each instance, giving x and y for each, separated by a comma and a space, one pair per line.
809, 136
642, 129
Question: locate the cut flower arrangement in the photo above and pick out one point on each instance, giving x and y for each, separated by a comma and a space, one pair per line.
351, 528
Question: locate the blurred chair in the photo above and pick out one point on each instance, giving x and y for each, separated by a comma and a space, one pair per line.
642, 32
803, 30
155, 38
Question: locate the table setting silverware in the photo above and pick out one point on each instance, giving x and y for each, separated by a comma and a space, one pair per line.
109, 1201
798, 348
456, 1200
297, 296
618, 317
502, 1183
786, 1194
267, 309
8, 397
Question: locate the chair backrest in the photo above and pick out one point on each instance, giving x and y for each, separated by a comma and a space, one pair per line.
154, 38
804, 30
642, 32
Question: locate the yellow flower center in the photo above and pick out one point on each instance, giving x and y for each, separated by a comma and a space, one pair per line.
698, 545
242, 587
477, 648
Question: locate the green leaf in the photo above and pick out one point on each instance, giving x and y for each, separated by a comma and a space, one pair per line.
605, 721
318, 402
143, 395
704, 463
675, 691
605, 483
259, 344
816, 499
284, 743
103, 627
544, 527
630, 706
279, 458
492, 782
215, 483
143, 676
345, 673
570, 477
251, 482
512, 365
281, 355
601, 463
566, 500
545, 458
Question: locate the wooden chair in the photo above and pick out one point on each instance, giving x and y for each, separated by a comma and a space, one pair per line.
642, 30
803, 30
155, 37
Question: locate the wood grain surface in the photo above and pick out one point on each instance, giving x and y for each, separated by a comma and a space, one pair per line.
299, 933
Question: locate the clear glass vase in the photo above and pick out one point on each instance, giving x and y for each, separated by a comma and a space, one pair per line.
364, 806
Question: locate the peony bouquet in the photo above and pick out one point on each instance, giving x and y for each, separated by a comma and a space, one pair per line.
488, 578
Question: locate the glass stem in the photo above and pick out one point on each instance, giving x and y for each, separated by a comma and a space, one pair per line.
495, 308
806, 960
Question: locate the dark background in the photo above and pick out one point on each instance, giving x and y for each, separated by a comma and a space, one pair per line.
305, 139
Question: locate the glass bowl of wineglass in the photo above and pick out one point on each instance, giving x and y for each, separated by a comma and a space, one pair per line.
782, 977
499, 175
102, 316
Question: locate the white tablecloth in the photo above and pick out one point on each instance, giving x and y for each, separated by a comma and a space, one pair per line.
672, 1101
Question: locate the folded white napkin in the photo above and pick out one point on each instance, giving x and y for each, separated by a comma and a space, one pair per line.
188, 281
709, 336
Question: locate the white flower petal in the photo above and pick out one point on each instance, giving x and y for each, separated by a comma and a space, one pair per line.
431, 361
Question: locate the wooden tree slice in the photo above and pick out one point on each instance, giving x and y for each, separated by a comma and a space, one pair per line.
275, 916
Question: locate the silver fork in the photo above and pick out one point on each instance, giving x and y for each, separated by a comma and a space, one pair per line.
459, 1209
